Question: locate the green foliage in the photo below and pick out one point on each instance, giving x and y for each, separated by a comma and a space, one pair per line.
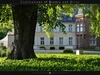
8, 51
49, 15
52, 48
0, 52
91, 49
42, 47
53, 62
3, 53
6, 20
68, 51
3, 48
94, 19
61, 47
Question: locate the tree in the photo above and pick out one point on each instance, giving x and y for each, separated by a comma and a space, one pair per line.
95, 19
5, 23
25, 19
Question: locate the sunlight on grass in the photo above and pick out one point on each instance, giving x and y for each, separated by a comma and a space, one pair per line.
53, 62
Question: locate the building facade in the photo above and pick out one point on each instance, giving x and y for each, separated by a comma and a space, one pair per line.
78, 35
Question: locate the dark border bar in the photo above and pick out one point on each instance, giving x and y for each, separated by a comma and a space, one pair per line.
49, 1
50, 73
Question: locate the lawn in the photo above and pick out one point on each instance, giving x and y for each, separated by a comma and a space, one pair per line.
53, 62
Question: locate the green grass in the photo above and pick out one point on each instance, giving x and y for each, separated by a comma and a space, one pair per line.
53, 62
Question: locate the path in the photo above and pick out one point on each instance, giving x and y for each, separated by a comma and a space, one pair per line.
85, 52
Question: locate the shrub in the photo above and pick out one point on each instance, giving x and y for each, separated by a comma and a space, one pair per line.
0, 53
52, 48
1, 48
42, 47
8, 51
61, 47
68, 50
4, 47
3, 53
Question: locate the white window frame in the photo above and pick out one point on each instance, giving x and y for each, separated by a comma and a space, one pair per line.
92, 41
51, 41
70, 28
41, 40
60, 40
70, 40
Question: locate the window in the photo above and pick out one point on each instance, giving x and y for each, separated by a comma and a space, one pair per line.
51, 41
41, 29
60, 29
42, 40
60, 40
70, 40
93, 41
80, 28
70, 28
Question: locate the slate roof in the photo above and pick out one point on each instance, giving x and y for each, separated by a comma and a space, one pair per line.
67, 18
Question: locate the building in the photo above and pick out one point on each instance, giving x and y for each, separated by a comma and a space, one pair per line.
82, 32
77, 36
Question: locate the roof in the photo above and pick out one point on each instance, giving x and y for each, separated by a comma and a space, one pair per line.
65, 18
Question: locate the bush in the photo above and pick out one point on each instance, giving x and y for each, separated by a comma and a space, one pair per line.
7, 51
3, 48
61, 47
68, 51
42, 47
3, 53
0, 53
52, 48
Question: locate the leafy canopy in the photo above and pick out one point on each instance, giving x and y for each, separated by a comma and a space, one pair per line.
49, 14
6, 20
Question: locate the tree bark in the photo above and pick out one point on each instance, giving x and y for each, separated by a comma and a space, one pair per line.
25, 18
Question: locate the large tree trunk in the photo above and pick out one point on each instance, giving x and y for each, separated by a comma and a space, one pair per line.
25, 18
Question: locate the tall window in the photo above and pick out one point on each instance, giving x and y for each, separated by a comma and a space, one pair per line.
92, 40
78, 28
42, 40
51, 41
81, 27
60, 29
70, 28
60, 40
70, 40
41, 29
